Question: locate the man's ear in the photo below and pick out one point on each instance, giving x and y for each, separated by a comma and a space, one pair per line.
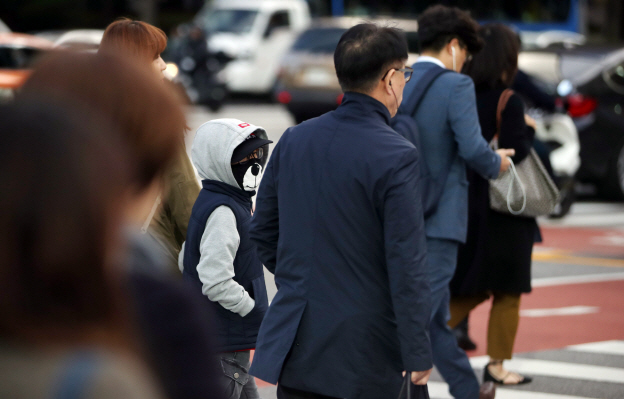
453, 43
388, 80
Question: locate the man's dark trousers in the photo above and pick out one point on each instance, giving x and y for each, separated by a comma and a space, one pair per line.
450, 360
417, 392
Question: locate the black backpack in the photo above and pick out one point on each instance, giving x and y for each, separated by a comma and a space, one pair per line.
404, 124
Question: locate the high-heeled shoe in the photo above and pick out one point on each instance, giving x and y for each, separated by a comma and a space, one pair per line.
487, 376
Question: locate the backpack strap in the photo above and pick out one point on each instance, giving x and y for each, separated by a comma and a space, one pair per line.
424, 83
502, 103
77, 373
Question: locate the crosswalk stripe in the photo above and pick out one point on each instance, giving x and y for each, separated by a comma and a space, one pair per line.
439, 390
606, 347
585, 278
609, 220
565, 311
533, 367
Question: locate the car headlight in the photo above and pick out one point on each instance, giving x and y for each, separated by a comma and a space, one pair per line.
565, 88
172, 70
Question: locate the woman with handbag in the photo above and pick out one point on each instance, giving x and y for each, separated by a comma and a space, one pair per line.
495, 262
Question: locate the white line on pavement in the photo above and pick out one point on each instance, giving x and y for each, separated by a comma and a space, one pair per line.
566, 311
439, 390
597, 221
587, 278
605, 347
557, 369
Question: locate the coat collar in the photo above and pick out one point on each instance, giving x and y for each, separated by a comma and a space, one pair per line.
244, 197
363, 104
432, 60
425, 66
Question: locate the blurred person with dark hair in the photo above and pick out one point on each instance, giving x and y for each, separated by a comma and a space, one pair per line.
495, 261
524, 85
338, 223
168, 221
449, 139
64, 325
174, 324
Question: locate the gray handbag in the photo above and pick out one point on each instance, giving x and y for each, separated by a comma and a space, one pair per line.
524, 189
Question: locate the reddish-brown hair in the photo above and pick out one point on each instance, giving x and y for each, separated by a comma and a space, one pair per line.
146, 112
135, 38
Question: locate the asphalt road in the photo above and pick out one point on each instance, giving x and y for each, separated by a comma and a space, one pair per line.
571, 334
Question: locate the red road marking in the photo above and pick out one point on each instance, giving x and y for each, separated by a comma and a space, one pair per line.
556, 332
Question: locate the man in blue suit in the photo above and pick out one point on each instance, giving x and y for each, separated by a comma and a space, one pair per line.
338, 223
450, 138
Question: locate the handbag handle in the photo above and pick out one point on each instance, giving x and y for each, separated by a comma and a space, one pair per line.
502, 103
515, 176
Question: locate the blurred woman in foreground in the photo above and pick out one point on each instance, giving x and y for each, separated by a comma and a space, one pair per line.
143, 43
64, 328
173, 324
496, 259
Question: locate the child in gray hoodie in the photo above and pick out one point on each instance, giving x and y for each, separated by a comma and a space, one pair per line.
218, 257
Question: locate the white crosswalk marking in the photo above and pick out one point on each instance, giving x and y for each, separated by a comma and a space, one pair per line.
557, 369
561, 379
582, 279
439, 390
606, 347
567, 311
590, 214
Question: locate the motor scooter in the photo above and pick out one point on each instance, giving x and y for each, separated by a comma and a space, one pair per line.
199, 70
557, 132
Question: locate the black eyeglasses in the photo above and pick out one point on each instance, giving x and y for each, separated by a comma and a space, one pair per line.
257, 154
407, 73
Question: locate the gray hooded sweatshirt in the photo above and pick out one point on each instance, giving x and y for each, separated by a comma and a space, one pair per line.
211, 154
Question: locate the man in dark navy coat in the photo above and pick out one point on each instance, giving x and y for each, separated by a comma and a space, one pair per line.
339, 223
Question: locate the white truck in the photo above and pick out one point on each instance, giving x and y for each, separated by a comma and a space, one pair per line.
256, 34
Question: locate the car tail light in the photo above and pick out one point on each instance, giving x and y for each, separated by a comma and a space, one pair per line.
339, 98
580, 105
284, 97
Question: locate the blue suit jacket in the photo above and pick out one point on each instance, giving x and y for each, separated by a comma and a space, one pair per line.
337, 223
450, 136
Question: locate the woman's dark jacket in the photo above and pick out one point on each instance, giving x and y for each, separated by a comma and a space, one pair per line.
497, 253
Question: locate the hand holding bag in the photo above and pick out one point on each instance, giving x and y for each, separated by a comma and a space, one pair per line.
524, 189
406, 388
411, 391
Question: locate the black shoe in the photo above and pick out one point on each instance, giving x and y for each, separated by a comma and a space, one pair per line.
463, 339
487, 376
466, 343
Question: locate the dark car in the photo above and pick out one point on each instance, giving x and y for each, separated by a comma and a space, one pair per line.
18, 53
590, 84
307, 84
